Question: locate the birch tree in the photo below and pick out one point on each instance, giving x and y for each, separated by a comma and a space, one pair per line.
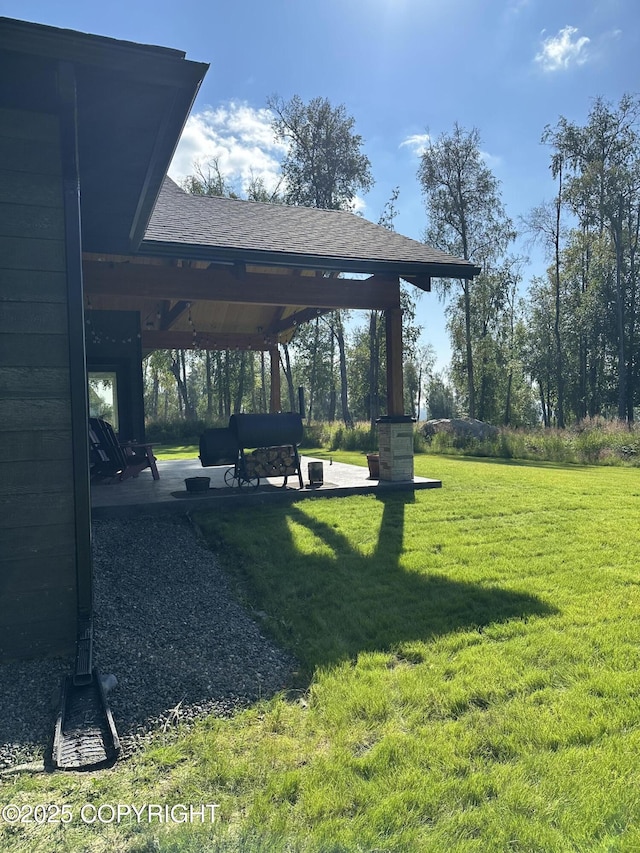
466, 218
324, 167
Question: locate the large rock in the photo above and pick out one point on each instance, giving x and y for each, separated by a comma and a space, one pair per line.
460, 428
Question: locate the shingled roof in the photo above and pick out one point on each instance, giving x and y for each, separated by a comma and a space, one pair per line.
224, 229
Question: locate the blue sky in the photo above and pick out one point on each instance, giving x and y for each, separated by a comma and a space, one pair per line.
402, 68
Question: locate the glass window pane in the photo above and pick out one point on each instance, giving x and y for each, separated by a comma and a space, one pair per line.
103, 397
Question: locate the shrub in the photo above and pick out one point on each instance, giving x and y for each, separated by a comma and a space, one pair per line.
359, 437
590, 442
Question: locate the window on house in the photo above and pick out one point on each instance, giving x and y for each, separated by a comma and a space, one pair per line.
103, 397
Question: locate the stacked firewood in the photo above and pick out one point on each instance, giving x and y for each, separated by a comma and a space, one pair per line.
271, 462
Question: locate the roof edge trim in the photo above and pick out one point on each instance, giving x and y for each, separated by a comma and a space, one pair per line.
463, 269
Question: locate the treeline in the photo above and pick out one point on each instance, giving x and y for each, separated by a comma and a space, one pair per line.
555, 350
211, 385
582, 342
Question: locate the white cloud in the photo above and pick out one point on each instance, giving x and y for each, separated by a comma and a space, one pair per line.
241, 140
492, 161
417, 142
560, 51
358, 205
239, 137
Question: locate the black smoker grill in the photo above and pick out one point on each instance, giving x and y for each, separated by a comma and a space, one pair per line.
218, 447
274, 439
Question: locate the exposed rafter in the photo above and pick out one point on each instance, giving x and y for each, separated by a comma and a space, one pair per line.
169, 316
297, 319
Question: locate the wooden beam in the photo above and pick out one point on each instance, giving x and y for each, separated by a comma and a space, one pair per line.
153, 339
170, 316
293, 320
395, 384
181, 283
421, 281
274, 325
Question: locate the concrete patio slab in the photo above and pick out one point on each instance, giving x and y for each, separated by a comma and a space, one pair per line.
143, 495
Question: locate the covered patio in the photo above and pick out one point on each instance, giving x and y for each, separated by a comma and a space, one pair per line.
216, 273
145, 496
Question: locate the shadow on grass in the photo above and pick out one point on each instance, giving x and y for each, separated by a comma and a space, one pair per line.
336, 602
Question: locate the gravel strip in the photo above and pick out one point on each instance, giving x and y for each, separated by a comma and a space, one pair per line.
167, 626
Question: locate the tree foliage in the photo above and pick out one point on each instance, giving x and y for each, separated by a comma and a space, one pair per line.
466, 218
324, 166
594, 274
568, 350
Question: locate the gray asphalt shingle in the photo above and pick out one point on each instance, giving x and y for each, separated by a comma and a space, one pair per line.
236, 225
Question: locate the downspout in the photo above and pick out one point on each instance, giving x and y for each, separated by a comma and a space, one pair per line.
77, 371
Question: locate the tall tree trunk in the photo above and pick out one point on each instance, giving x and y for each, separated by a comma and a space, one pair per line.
252, 382
616, 228
226, 385
374, 367
557, 294
263, 383
507, 405
344, 396
155, 391
178, 368
314, 370
286, 366
632, 356
469, 348
466, 287
332, 386
237, 403
189, 408
219, 383
583, 391
543, 405
209, 384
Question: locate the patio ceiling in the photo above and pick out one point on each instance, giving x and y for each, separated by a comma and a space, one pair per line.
187, 304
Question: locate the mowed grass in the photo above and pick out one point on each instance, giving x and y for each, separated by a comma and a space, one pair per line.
167, 452
468, 678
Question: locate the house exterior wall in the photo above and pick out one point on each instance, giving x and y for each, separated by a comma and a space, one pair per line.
38, 596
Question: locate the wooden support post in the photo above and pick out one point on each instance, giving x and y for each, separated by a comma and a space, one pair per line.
395, 386
275, 404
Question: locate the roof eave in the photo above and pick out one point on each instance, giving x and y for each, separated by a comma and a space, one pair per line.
146, 62
95, 58
167, 141
461, 270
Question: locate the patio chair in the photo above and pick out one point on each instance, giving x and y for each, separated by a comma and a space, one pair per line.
110, 460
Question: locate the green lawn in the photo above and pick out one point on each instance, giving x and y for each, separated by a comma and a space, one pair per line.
469, 678
168, 452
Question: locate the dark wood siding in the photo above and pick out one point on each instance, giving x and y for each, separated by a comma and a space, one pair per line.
37, 530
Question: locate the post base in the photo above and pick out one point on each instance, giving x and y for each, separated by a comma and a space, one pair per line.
395, 440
